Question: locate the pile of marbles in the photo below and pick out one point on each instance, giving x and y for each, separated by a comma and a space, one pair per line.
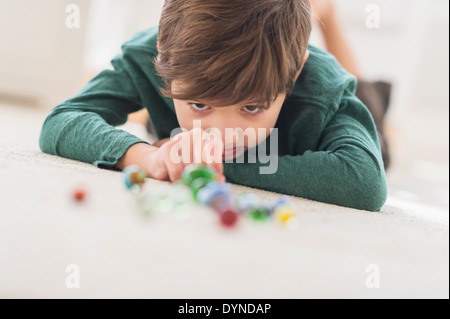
199, 184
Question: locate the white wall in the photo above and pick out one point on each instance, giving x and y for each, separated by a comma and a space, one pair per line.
410, 49
39, 55
113, 22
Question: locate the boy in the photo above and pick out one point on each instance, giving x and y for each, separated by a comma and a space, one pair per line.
230, 64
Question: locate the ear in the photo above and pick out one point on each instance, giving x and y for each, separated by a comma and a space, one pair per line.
157, 46
304, 61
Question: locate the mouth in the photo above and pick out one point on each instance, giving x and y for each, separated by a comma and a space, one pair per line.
231, 151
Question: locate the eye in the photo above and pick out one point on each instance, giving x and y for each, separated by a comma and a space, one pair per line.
198, 106
252, 109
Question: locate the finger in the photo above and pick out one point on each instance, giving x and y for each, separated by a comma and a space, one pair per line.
175, 171
215, 160
222, 179
196, 146
173, 149
173, 161
219, 168
159, 170
206, 149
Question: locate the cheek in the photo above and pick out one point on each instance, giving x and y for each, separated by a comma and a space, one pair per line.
262, 128
184, 116
268, 122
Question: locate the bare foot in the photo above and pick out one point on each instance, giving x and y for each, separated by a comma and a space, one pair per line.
323, 10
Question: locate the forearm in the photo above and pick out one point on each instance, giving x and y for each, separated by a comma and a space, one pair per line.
86, 137
336, 178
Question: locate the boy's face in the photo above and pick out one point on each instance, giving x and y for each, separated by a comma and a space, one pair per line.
242, 116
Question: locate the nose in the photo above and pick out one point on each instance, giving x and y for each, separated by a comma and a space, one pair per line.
225, 126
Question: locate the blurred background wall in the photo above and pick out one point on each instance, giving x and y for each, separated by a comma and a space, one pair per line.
43, 62
39, 56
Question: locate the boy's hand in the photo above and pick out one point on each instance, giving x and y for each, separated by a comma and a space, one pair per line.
161, 142
168, 161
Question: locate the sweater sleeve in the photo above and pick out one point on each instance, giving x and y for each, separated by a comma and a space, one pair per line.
82, 128
346, 169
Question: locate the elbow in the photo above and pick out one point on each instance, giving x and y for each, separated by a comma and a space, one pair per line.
47, 140
371, 194
366, 186
43, 145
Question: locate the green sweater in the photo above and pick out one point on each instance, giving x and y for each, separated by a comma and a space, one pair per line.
328, 145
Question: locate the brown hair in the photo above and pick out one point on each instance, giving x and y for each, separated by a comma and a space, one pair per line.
231, 51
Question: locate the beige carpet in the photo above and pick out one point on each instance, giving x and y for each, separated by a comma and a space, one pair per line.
120, 254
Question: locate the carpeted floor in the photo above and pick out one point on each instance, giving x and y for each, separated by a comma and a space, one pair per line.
120, 254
